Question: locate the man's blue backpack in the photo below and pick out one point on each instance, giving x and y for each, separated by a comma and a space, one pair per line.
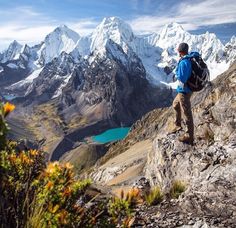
200, 74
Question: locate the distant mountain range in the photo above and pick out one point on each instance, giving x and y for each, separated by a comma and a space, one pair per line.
156, 51
111, 75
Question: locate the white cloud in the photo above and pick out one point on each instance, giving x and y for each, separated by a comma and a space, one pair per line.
24, 35
31, 27
83, 26
26, 25
21, 12
27, 11
191, 15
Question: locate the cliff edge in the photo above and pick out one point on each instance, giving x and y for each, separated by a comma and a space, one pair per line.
208, 168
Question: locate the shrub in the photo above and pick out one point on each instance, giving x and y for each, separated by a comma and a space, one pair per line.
58, 193
18, 169
133, 196
120, 209
154, 197
177, 188
36, 194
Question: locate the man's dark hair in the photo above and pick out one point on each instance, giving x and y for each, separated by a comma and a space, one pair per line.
183, 47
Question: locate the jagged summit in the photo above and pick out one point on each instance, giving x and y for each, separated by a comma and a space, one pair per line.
115, 23
62, 26
157, 52
112, 28
60, 39
12, 52
15, 43
172, 33
64, 30
232, 41
173, 26
230, 49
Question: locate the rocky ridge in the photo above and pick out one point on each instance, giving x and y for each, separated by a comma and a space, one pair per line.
207, 168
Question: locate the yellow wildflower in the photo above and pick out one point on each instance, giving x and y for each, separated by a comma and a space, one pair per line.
52, 167
68, 166
50, 207
55, 208
34, 152
23, 157
7, 108
12, 158
49, 185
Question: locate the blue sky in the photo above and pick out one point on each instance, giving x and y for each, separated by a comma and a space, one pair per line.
30, 21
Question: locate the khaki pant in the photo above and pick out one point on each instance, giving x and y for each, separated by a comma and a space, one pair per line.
182, 107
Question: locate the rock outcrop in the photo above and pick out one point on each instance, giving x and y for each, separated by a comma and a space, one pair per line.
208, 169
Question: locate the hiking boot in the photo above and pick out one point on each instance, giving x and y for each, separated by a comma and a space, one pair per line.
186, 139
175, 129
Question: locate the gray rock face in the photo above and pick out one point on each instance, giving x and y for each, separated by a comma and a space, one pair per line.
12, 73
209, 172
102, 91
50, 81
100, 88
207, 169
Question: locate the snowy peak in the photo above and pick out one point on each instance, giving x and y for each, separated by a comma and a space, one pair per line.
15, 45
232, 41
171, 30
115, 26
64, 30
12, 52
61, 39
230, 50
171, 34
114, 39
112, 28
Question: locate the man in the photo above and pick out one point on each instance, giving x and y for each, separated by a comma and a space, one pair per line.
181, 103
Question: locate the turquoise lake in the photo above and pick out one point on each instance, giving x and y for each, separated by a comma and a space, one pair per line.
9, 97
111, 135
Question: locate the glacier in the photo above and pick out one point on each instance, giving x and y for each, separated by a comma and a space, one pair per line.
157, 50
27, 80
63, 85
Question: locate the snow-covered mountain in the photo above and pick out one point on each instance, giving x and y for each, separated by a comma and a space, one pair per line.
156, 51
62, 39
230, 49
210, 47
115, 29
11, 53
107, 79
